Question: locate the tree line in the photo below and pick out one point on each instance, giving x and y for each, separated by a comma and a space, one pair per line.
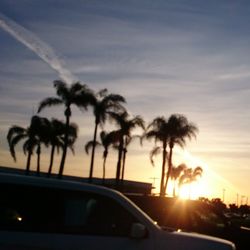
166, 132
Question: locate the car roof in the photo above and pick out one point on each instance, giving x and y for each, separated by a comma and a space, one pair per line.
39, 181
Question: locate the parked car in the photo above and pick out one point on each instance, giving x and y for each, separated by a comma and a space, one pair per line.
193, 216
40, 213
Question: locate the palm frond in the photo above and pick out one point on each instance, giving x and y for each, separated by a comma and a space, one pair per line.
113, 99
29, 146
119, 118
90, 144
14, 141
157, 123
137, 121
102, 93
62, 89
153, 134
71, 147
155, 151
50, 101
15, 130
84, 98
76, 88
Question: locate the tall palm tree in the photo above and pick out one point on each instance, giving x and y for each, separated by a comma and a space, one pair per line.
158, 130
179, 128
33, 136
42, 126
56, 138
102, 105
107, 139
190, 175
126, 125
77, 94
175, 174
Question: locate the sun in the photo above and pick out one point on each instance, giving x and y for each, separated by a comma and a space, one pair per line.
192, 191
199, 187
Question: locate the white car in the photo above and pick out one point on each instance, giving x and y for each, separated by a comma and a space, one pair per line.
40, 213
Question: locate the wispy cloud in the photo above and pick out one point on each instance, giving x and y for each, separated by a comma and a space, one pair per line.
31, 41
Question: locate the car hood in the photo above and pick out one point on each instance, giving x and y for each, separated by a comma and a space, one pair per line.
178, 240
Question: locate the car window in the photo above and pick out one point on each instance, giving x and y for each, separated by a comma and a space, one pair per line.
96, 214
38, 209
29, 209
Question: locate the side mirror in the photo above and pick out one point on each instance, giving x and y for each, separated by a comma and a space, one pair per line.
138, 231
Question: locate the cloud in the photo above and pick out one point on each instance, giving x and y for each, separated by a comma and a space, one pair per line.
31, 41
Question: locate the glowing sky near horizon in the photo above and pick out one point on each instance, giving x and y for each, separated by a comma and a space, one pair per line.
164, 57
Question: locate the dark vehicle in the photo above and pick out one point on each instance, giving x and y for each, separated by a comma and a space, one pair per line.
193, 216
42, 213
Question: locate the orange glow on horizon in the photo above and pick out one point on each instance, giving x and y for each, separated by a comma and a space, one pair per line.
210, 185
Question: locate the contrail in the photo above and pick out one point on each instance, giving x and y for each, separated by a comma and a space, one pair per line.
31, 41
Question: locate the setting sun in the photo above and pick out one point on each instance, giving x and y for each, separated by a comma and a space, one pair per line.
192, 191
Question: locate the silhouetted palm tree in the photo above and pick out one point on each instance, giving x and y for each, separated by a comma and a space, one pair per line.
42, 126
158, 130
56, 133
126, 126
56, 138
33, 135
107, 139
190, 175
102, 105
169, 133
175, 174
77, 94
179, 128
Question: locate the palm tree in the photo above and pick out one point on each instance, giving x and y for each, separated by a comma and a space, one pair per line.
158, 130
107, 139
77, 94
56, 138
56, 132
190, 175
33, 136
126, 126
179, 128
176, 173
42, 126
16, 134
102, 105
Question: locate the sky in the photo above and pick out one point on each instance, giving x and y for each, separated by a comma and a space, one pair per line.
165, 57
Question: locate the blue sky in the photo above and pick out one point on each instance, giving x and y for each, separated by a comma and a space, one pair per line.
188, 57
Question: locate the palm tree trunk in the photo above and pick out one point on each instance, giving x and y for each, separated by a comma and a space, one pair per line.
169, 168
51, 160
164, 154
123, 163
28, 163
118, 168
93, 154
65, 146
38, 152
104, 170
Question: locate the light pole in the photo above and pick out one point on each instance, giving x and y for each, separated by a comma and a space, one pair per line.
223, 194
153, 184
